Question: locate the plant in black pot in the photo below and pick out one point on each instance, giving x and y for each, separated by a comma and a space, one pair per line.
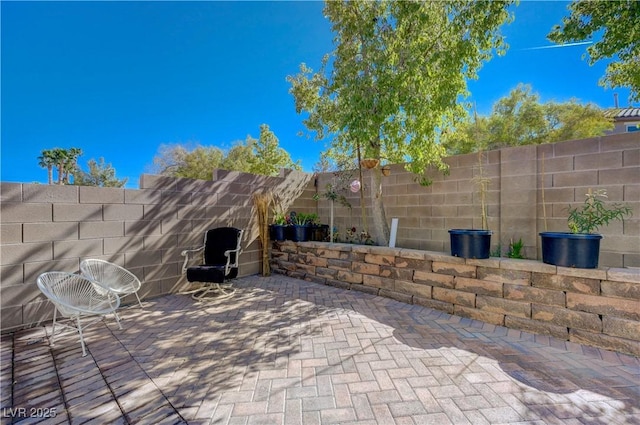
301, 227
474, 243
278, 229
318, 232
580, 247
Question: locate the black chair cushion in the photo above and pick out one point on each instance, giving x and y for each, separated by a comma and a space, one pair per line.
217, 242
202, 273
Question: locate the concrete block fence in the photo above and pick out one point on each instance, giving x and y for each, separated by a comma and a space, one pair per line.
47, 228
520, 177
54, 227
598, 307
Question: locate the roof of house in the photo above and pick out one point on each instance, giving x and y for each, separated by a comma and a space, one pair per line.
622, 113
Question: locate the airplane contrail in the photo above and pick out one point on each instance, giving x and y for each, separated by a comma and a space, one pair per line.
555, 46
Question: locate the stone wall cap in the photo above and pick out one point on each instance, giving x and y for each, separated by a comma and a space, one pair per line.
412, 254
313, 244
336, 246
378, 250
441, 256
527, 265
485, 262
627, 274
599, 273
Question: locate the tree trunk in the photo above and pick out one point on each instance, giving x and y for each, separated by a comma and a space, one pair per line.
50, 173
380, 230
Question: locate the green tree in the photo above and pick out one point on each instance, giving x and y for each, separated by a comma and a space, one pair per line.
178, 161
70, 165
167, 159
520, 119
572, 120
239, 157
59, 157
262, 156
394, 80
46, 160
99, 174
268, 156
200, 163
64, 161
617, 24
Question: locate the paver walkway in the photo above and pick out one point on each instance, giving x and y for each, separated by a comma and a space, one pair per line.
285, 351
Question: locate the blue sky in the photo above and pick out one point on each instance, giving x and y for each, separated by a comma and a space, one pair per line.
118, 79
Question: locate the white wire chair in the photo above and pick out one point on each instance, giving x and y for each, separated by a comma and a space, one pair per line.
112, 277
75, 296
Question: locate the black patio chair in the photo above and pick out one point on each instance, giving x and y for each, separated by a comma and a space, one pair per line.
221, 252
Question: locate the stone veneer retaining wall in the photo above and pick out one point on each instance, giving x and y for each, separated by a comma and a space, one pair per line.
598, 307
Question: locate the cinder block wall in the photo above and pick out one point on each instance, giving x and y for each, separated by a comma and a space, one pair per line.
305, 202
53, 227
46, 228
611, 163
518, 177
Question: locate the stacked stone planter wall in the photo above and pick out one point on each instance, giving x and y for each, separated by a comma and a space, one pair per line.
598, 307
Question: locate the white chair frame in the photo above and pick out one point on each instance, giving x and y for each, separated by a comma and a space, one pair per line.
75, 296
112, 277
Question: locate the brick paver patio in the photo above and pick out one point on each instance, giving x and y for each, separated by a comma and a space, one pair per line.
286, 351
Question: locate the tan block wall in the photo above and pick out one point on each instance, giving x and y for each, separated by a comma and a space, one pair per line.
594, 307
518, 177
46, 228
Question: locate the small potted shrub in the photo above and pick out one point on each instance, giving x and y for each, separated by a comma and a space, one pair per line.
474, 243
580, 247
279, 227
301, 227
318, 232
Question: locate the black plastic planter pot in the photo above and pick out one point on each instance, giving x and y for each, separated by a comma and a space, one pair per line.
278, 232
470, 243
579, 250
301, 233
319, 233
